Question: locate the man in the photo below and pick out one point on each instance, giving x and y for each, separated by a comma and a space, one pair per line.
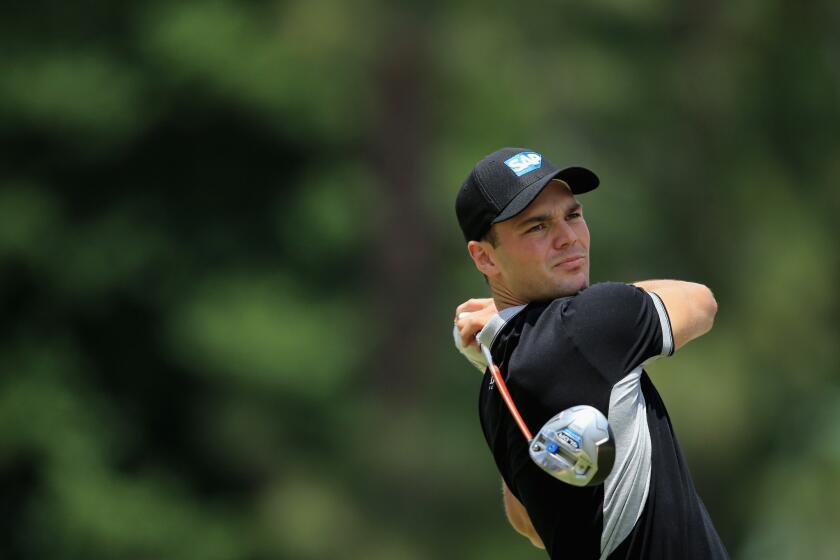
564, 343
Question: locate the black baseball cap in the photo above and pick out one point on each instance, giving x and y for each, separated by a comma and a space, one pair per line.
504, 183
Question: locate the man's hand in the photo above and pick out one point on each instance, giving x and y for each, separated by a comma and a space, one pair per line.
470, 318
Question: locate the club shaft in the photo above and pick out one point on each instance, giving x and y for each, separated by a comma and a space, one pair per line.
500, 383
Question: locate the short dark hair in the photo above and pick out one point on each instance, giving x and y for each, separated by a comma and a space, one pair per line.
491, 237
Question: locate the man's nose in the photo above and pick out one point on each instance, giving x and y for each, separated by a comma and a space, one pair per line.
564, 235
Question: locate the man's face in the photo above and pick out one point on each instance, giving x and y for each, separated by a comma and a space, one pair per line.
543, 253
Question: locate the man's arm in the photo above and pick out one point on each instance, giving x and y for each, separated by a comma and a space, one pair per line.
470, 317
691, 307
518, 517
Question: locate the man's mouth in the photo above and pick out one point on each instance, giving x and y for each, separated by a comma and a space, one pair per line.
570, 263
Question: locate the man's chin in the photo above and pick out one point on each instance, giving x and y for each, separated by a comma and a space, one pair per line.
571, 286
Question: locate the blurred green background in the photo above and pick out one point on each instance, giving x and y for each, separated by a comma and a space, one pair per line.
230, 260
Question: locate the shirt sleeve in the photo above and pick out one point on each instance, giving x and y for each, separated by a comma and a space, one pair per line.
618, 327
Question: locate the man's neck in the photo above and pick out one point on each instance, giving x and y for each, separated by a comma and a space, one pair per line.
504, 298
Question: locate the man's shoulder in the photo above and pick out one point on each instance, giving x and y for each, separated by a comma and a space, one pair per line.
589, 318
537, 321
605, 295
606, 292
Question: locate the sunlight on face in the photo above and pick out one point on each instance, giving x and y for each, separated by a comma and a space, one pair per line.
543, 252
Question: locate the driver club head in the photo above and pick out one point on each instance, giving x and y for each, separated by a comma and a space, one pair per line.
576, 446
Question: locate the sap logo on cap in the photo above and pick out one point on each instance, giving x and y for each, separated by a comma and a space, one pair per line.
524, 162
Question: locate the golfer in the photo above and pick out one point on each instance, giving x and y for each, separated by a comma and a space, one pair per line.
564, 343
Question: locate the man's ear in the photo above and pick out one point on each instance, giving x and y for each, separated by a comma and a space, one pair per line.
482, 255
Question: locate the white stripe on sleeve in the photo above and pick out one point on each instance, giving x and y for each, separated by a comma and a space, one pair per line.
665, 323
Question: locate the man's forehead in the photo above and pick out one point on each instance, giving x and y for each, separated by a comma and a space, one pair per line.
555, 192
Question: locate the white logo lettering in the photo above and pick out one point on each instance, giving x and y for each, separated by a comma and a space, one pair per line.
524, 162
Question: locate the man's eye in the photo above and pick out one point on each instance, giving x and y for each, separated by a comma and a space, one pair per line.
538, 227
573, 215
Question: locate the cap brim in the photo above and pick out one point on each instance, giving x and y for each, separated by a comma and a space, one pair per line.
579, 179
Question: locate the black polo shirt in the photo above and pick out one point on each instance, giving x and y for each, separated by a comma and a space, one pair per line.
590, 349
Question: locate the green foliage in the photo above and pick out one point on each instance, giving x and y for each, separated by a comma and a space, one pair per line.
229, 262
